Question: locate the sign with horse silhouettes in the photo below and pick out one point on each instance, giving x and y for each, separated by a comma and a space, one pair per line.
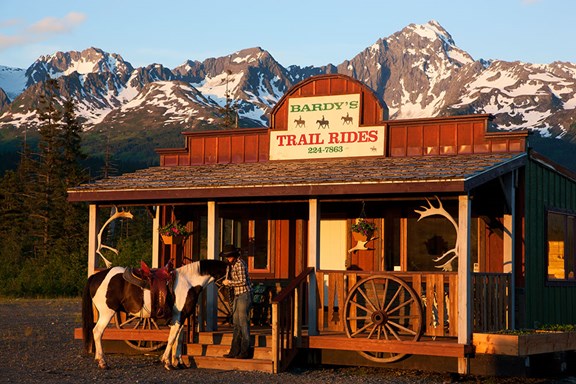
325, 127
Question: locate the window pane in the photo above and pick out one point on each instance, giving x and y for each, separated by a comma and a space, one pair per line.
556, 242
260, 242
570, 244
429, 239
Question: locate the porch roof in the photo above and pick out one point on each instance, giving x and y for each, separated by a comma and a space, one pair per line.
292, 179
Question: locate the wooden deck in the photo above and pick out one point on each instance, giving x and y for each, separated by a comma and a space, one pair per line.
446, 347
207, 343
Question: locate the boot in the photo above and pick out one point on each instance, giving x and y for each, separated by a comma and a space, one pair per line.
234, 348
245, 351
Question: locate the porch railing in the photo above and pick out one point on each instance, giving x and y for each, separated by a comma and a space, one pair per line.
437, 290
288, 319
492, 296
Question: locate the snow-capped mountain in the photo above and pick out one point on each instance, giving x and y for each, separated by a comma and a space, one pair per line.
418, 72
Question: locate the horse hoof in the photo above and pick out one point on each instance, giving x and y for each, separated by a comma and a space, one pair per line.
102, 364
181, 366
168, 366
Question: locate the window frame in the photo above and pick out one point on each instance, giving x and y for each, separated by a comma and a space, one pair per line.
570, 243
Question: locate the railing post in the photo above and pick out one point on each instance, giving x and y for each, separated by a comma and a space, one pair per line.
464, 279
275, 339
297, 319
313, 261
212, 254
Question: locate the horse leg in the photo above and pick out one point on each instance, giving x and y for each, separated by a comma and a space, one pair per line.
104, 317
172, 338
177, 350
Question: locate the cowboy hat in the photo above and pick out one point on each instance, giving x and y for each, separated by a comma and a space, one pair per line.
230, 251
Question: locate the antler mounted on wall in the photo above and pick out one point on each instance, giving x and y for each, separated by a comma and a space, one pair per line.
116, 215
431, 210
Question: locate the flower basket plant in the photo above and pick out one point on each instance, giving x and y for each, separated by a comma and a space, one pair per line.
364, 228
173, 233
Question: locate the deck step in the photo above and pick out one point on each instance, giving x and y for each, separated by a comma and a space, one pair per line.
225, 338
218, 350
208, 362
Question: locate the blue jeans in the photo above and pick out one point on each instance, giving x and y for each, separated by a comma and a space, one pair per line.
241, 321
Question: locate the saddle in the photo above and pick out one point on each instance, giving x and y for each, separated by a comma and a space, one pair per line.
134, 276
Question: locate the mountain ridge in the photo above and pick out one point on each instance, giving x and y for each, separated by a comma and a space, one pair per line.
417, 72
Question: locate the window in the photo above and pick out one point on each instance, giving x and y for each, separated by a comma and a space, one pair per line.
561, 246
252, 237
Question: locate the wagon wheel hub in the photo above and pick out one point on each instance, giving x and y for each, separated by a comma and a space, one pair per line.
379, 317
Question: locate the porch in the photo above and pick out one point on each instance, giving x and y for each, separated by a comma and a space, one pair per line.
393, 315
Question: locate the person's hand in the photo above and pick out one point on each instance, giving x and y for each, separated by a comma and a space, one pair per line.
226, 282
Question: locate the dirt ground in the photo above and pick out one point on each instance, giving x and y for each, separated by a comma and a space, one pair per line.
37, 346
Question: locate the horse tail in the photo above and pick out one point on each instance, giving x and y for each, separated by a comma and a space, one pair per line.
87, 318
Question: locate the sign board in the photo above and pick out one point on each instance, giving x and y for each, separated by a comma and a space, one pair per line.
325, 127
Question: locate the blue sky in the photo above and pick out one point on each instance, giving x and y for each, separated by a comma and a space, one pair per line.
294, 32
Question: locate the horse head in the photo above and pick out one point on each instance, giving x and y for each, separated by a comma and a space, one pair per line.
161, 292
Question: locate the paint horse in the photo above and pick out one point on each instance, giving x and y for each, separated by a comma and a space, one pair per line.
189, 281
143, 292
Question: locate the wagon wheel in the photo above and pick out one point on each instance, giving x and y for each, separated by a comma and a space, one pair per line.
383, 308
144, 323
225, 297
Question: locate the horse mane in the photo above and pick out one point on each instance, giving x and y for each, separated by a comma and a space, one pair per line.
215, 268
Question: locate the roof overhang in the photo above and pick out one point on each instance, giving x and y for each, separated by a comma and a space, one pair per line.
297, 179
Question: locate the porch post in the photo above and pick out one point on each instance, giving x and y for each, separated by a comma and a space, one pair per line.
212, 254
465, 328
156, 238
313, 261
92, 238
509, 185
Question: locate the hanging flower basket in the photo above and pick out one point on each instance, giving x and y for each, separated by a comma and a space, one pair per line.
173, 233
173, 240
363, 230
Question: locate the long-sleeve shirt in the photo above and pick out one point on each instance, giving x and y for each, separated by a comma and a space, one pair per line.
238, 277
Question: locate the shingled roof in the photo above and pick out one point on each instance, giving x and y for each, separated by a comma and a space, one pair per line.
304, 179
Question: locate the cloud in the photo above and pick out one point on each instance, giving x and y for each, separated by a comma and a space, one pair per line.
39, 31
54, 25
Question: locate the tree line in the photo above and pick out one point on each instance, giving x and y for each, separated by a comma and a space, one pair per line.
43, 237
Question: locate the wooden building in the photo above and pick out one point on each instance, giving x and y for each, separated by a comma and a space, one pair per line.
475, 232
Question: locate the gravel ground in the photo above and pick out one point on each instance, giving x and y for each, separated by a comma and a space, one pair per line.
37, 346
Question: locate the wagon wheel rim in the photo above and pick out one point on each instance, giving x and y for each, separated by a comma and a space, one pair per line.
383, 307
139, 323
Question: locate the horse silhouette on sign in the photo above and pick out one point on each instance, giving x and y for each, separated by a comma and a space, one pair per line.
323, 123
347, 119
300, 123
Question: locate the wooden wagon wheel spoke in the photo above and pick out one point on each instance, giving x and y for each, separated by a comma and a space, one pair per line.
375, 293
399, 307
360, 306
140, 323
407, 330
383, 307
365, 296
362, 329
393, 299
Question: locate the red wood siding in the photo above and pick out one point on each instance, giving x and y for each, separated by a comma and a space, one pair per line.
449, 136
230, 146
372, 111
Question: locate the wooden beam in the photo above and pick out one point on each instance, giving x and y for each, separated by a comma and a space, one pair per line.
464, 279
427, 348
212, 254
314, 262
92, 238
130, 334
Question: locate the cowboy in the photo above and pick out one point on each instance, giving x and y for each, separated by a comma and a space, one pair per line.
237, 278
